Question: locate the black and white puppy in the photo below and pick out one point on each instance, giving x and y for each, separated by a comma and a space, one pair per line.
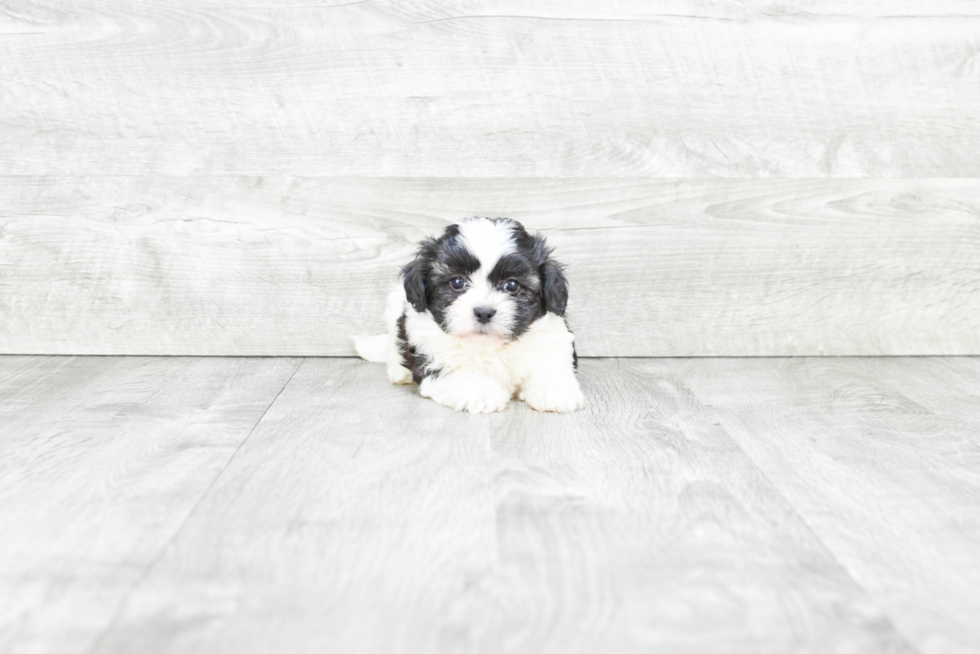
479, 319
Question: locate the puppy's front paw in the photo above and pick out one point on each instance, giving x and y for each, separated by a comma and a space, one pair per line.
466, 392
558, 395
399, 374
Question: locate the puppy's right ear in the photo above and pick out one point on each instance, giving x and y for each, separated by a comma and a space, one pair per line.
414, 274
555, 287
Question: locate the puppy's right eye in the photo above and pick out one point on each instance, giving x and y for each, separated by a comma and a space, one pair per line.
457, 283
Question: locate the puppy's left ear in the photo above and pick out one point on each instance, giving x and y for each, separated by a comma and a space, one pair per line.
414, 274
554, 287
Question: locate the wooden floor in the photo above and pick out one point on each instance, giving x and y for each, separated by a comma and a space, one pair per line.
245, 505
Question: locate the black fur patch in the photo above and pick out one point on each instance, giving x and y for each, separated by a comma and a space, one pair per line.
555, 291
574, 352
438, 260
527, 300
449, 260
554, 284
543, 285
418, 364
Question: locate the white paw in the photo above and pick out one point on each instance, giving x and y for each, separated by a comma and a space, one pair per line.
399, 374
559, 395
464, 391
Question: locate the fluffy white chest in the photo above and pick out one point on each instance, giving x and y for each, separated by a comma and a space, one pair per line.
508, 362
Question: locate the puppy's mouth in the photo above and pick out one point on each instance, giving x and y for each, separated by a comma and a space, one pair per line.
486, 330
489, 330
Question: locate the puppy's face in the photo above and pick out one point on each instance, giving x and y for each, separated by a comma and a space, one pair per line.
485, 277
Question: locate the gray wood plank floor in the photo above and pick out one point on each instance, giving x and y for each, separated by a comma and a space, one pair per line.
697, 505
101, 461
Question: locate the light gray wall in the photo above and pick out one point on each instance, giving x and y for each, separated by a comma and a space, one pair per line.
721, 178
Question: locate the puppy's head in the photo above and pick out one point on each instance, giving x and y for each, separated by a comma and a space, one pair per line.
486, 276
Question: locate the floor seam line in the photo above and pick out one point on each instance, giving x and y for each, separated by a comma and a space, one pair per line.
200, 500
806, 525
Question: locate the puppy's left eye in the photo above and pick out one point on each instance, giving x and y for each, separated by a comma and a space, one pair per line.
457, 283
512, 286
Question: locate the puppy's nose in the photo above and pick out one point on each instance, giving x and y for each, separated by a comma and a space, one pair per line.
484, 314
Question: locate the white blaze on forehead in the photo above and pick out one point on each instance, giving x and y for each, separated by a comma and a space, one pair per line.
488, 241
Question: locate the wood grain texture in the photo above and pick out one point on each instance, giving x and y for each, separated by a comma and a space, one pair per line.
642, 9
294, 265
492, 88
359, 517
890, 485
101, 461
949, 387
639, 526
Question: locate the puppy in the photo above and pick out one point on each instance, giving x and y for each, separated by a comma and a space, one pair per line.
479, 319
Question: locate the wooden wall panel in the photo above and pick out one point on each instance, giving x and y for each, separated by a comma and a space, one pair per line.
293, 265
494, 88
199, 178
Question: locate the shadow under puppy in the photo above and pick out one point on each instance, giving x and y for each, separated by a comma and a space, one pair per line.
479, 319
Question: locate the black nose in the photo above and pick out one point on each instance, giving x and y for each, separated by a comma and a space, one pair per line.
484, 314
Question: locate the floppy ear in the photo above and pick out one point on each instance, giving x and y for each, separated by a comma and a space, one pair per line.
414, 274
554, 287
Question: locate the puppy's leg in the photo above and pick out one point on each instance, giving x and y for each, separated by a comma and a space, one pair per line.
399, 374
464, 390
552, 386
394, 310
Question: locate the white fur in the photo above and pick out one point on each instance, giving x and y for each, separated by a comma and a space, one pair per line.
479, 366
487, 241
465, 390
461, 320
372, 348
480, 373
